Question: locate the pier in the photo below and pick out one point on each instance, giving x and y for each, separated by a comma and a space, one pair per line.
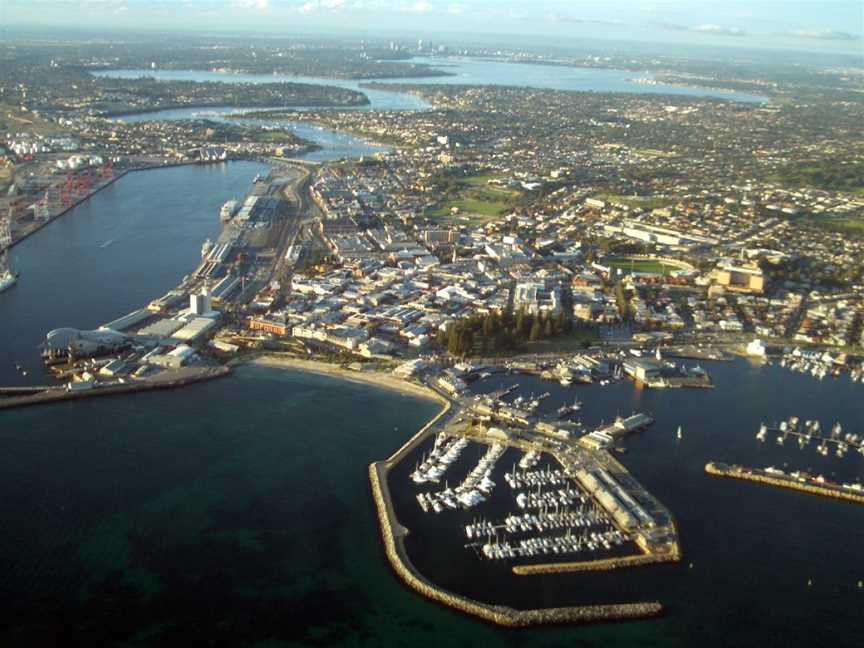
812, 431
166, 380
799, 482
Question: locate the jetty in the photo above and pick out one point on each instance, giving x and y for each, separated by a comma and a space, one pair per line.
794, 481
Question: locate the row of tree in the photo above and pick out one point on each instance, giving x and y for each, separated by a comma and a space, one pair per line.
501, 333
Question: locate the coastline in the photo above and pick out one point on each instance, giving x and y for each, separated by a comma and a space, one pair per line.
378, 379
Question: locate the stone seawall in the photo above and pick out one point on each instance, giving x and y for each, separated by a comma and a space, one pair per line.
736, 472
393, 535
57, 396
606, 564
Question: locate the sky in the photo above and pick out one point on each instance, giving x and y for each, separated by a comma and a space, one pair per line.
816, 25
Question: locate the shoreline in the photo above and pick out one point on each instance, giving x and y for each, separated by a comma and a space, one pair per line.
118, 176
375, 378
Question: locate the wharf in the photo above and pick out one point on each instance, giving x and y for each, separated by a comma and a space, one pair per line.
166, 380
781, 480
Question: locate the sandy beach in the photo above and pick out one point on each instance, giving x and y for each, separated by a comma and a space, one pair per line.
377, 378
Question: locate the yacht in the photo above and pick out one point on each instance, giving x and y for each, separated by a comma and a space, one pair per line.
763, 430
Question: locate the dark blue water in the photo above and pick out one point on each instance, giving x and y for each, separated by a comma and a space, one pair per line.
238, 511
112, 254
752, 548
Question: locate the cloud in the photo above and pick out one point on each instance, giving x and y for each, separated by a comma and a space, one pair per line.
259, 5
321, 5
720, 31
707, 28
575, 20
825, 34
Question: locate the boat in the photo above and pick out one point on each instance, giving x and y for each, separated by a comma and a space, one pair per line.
228, 210
566, 381
680, 433
7, 277
763, 431
567, 410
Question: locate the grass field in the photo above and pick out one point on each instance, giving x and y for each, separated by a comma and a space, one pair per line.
642, 265
476, 200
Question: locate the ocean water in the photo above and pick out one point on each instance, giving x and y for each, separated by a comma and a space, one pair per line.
238, 512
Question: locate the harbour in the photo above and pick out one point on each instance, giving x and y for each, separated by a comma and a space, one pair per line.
304, 447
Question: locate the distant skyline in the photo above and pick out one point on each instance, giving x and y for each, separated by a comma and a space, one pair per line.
826, 25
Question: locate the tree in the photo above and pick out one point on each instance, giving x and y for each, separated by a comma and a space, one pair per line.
536, 329
489, 326
522, 324
454, 340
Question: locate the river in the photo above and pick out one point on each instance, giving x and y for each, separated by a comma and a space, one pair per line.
465, 71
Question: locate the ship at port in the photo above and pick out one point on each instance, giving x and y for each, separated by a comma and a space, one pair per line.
8, 278
228, 210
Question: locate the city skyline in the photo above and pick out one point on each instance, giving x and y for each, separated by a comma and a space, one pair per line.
816, 26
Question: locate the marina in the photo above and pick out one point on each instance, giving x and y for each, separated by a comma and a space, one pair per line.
810, 431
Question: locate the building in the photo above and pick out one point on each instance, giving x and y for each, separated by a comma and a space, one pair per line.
741, 278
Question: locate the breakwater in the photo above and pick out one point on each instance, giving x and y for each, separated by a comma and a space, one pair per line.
393, 535
606, 564
175, 379
781, 480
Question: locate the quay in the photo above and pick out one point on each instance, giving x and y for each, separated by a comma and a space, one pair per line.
166, 380
799, 482
605, 564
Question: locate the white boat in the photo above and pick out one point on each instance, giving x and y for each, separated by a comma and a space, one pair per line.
680, 433
7, 280
7, 277
228, 210
763, 430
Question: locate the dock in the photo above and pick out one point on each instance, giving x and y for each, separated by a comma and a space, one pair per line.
800, 482
166, 380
